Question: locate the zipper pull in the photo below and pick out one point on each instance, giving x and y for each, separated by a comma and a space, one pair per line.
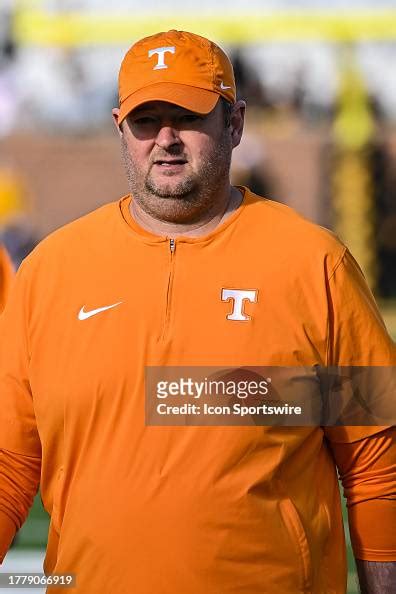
172, 245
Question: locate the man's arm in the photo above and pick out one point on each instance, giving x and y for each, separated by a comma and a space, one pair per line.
20, 447
6, 276
365, 456
367, 471
376, 577
7, 533
19, 480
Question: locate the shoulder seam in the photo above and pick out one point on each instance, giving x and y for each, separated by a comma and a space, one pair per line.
335, 268
338, 262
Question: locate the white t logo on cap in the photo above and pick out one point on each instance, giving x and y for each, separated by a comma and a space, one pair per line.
161, 51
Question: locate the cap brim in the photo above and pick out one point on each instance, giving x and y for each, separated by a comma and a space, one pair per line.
191, 98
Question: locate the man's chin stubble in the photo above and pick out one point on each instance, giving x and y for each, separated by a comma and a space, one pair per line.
171, 206
184, 190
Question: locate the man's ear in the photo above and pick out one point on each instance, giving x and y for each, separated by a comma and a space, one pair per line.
116, 117
237, 122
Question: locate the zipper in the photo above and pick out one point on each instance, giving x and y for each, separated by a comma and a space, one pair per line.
172, 248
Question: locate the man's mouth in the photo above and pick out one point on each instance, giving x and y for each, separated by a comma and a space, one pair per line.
169, 162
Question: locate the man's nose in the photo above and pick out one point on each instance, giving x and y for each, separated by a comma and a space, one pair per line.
168, 136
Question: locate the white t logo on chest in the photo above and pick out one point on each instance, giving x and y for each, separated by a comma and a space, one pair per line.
238, 298
160, 52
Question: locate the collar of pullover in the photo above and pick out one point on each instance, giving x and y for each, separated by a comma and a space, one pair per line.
149, 237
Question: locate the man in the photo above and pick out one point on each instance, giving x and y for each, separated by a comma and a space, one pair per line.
6, 276
188, 271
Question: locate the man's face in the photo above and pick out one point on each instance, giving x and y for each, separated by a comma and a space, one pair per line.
176, 160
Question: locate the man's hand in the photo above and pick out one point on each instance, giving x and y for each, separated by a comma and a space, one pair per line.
376, 577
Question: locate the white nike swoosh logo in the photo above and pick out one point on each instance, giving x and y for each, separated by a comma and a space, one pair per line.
83, 315
223, 87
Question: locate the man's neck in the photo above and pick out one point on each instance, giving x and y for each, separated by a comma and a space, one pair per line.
210, 221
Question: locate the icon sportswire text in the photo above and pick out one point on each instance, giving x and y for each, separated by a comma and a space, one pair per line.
83, 315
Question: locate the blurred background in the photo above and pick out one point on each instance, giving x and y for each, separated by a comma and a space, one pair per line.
320, 133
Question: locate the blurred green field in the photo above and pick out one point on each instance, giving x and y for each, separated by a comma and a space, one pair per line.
33, 534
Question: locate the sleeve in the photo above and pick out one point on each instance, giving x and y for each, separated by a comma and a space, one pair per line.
6, 276
367, 470
20, 448
357, 337
18, 486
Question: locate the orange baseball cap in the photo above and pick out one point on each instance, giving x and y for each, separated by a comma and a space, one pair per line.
177, 67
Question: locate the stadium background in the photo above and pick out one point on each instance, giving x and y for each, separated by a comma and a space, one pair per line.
320, 134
